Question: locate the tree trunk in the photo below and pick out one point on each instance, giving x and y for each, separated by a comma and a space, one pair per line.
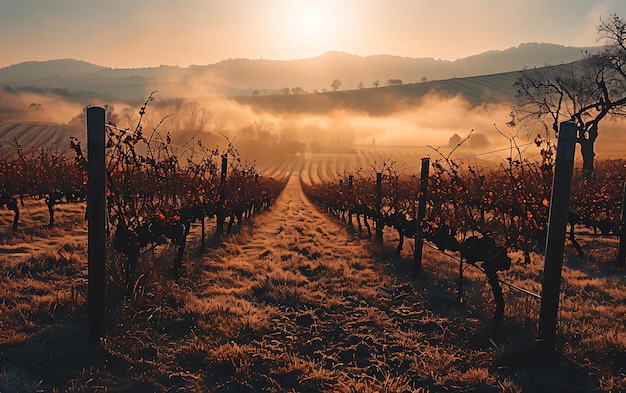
587, 139
586, 150
50, 203
492, 277
621, 253
12, 205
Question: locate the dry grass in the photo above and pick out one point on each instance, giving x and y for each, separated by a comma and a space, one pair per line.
294, 303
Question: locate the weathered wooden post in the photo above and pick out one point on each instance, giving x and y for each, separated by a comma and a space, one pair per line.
379, 201
555, 245
96, 226
621, 253
421, 214
349, 200
221, 211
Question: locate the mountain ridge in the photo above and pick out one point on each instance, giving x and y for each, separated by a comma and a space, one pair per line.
245, 77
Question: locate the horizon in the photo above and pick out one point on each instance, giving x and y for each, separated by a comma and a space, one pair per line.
288, 60
199, 32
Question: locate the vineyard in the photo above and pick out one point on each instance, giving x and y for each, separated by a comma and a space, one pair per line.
222, 275
485, 213
154, 190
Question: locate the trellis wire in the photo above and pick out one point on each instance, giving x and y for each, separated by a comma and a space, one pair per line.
512, 286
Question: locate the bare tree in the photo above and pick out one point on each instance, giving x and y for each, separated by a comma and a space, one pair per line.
183, 117
196, 117
585, 92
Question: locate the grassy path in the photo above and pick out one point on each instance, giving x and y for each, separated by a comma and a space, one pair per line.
295, 302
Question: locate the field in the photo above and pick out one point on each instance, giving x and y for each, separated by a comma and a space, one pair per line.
295, 300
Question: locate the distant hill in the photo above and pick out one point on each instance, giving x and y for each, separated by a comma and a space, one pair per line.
385, 100
45, 70
245, 77
318, 73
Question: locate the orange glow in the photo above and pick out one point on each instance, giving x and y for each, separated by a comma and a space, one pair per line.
306, 29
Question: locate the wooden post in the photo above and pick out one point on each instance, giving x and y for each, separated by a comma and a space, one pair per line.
221, 214
96, 227
557, 228
421, 213
379, 201
621, 253
349, 200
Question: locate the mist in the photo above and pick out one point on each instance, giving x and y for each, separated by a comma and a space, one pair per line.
382, 120
35, 107
196, 110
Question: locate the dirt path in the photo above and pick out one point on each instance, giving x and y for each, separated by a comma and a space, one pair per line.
301, 302
295, 227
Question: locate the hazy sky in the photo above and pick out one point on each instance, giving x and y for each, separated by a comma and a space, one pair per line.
138, 33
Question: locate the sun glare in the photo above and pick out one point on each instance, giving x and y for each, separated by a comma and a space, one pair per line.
313, 20
308, 28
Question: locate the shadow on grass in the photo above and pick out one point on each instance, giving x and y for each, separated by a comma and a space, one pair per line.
56, 357
511, 347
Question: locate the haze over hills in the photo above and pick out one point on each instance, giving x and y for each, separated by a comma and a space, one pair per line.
241, 77
436, 101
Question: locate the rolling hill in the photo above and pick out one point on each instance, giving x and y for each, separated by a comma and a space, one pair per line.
240, 77
385, 100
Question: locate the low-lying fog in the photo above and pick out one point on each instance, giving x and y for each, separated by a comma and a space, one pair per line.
434, 120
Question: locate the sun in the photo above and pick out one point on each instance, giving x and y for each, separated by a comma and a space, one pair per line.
309, 28
309, 24
313, 20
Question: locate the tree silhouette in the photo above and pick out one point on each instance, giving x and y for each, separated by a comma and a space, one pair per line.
585, 92
336, 84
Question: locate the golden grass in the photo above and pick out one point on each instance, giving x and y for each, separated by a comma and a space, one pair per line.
294, 303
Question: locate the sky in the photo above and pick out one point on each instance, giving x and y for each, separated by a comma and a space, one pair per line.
146, 33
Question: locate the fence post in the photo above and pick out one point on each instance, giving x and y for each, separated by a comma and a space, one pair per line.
555, 245
621, 253
379, 201
350, 203
96, 226
221, 217
421, 213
